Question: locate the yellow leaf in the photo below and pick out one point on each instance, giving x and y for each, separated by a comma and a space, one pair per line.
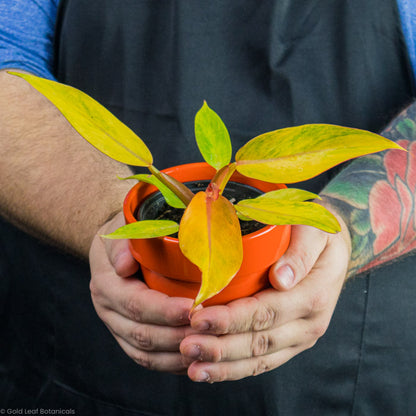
144, 229
93, 122
298, 153
210, 237
289, 194
274, 212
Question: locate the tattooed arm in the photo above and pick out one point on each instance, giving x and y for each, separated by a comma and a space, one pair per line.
374, 200
375, 195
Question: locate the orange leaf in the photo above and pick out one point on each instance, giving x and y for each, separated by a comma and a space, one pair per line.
210, 237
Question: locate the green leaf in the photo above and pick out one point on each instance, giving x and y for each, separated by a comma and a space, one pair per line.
285, 195
269, 211
169, 196
298, 153
210, 237
212, 138
243, 218
288, 194
93, 122
144, 229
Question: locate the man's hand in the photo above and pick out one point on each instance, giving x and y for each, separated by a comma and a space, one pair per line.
252, 335
148, 325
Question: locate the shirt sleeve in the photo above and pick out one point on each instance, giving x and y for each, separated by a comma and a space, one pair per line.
407, 10
26, 35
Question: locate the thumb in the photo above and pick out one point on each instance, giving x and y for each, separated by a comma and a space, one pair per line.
306, 245
118, 251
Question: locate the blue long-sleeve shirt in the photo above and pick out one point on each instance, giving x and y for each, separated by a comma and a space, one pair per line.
26, 35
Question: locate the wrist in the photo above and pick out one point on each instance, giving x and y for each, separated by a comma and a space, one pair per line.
345, 232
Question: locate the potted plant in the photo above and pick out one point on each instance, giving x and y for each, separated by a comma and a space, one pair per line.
210, 249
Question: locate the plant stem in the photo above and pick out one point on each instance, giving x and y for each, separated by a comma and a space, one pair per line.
178, 188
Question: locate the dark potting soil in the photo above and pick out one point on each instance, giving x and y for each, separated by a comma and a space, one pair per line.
156, 208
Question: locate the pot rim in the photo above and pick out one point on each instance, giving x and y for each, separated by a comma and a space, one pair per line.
129, 201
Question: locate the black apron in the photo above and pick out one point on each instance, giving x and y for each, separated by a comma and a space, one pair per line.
261, 65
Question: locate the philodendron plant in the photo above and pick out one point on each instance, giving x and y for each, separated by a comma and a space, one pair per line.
209, 232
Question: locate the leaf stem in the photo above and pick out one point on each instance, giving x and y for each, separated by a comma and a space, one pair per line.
178, 188
222, 176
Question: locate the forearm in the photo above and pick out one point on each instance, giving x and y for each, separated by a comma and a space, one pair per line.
375, 195
54, 184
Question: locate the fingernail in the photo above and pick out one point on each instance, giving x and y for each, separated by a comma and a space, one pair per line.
202, 376
194, 351
201, 326
285, 276
194, 310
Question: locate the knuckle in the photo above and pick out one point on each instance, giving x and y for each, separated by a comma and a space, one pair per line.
264, 317
215, 356
143, 359
98, 303
319, 328
141, 337
261, 344
133, 310
261, 367
95, 292
301, 261
318, 302
300, 267
318, 331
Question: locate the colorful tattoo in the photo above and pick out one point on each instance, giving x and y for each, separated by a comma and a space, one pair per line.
376, 196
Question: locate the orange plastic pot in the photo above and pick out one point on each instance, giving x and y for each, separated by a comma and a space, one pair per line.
167, 270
